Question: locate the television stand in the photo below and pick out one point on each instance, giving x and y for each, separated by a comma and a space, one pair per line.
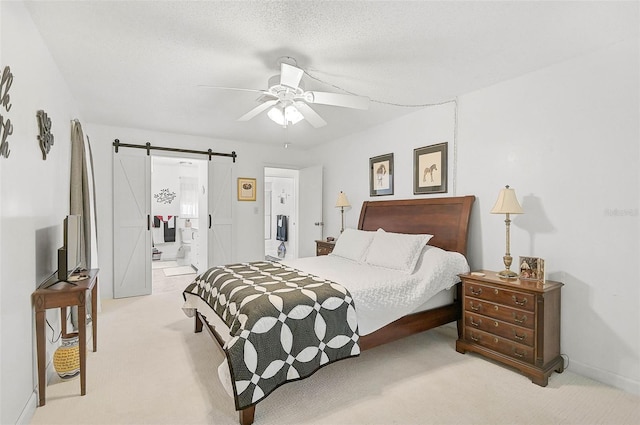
65, 294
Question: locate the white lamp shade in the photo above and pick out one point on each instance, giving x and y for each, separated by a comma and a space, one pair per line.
507, 203
342, 200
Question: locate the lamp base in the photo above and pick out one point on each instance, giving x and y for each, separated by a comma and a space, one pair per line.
508, 274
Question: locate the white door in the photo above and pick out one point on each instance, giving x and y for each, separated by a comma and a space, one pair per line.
220, 226
310, 210
131, 223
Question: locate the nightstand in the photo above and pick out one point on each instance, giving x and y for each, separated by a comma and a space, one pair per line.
514, 322
324, 247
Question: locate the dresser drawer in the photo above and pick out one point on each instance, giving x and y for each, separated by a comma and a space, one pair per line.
497, 327
521, 300
500, 312
501, 345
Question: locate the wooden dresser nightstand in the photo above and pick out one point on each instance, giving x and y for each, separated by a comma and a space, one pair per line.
324, 247
512, 321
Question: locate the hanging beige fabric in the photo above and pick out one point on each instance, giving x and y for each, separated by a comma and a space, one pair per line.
80, 196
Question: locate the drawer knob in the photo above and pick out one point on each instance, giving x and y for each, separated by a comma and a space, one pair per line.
475, 338
495, 291
519, 337
518, 302
475, 292
518, 319
495, 324
475, 307
518, 354
476, 324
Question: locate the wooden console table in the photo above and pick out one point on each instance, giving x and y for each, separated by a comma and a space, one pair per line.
53, 294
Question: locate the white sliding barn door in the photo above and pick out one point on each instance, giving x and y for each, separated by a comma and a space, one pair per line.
310, 210
220, 226
131, 223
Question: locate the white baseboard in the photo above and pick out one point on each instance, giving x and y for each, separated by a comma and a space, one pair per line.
606, 377
29, 409
32, 404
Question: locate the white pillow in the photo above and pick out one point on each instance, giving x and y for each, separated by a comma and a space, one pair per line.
396, 251
353, 244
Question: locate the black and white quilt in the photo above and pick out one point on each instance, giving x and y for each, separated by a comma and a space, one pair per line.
284, 324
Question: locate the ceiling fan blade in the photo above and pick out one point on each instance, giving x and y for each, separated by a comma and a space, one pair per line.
336, 99
310, 115
260, 108
233, 88
290, 76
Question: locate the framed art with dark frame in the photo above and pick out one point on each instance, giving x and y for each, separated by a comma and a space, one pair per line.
246, 189
430, 169
381, 175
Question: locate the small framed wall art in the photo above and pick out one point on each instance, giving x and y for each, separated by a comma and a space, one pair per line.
531, 268
381, 175
430, 169
246, 189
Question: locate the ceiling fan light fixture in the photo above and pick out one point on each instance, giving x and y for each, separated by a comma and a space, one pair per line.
292, 115
285, 115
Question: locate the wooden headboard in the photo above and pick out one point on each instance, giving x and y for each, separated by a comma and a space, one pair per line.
447, 219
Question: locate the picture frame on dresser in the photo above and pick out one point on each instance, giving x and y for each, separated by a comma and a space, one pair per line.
381, 175
531, 268
430, 169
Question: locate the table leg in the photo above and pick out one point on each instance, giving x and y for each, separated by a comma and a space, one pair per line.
41, 349
82, 336
94, 315
63, 321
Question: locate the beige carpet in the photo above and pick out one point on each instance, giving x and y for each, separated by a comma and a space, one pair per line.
150, 368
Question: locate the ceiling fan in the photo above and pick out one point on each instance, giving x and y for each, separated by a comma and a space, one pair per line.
288, 103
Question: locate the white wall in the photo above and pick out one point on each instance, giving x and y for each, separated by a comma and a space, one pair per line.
248, 216
346, 161
566, 138
35, 200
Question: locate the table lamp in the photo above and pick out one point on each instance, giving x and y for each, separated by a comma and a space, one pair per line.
507, 203
342, 202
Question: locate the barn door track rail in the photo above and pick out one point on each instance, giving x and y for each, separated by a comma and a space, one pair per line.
149, 148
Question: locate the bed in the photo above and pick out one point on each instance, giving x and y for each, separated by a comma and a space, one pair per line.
439, 226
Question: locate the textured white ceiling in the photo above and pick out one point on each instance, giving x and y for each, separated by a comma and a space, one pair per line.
139, 63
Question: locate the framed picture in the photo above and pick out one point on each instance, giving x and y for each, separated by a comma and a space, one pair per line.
381, 175
531, 268
430, 169
246, 189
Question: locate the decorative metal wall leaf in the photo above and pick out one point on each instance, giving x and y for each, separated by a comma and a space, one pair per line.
45, 137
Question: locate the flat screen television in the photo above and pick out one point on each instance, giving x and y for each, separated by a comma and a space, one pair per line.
69, 256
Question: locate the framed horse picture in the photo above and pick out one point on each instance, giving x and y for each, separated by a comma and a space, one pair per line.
381, 175
430, 169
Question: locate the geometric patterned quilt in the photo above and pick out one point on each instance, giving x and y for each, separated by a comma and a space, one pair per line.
285, 324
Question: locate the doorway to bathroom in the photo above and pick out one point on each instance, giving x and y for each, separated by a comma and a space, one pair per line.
280, 213
179, 220
292, 212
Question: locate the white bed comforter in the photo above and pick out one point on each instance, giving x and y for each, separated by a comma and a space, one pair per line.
384, 295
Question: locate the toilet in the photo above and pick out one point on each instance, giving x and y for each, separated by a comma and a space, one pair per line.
184, 252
